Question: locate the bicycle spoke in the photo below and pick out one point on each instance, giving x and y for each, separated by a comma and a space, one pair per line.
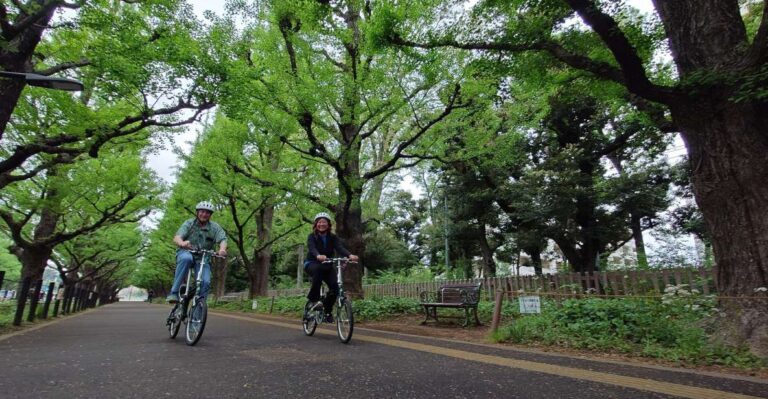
344, 320
196, 322
309, 319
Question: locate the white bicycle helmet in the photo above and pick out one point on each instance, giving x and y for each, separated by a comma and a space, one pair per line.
204, 205
323, 215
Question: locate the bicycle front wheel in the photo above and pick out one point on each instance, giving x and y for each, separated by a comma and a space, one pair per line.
196, 322
345, 320
174, 321
308, 319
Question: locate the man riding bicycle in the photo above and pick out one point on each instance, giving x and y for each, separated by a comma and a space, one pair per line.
322, 244
196, 233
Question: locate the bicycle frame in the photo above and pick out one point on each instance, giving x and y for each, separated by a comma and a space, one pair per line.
179, 314
199, 277
313, 314
337, 265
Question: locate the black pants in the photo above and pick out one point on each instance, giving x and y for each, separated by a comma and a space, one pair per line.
323, 272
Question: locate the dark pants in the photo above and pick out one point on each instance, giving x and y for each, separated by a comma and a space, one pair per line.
323, 272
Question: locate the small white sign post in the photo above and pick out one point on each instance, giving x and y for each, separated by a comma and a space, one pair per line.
530, 304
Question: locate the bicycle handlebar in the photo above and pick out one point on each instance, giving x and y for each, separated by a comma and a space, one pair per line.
332, 260
207, 251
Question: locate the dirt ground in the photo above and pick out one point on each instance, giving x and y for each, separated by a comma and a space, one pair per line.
450, 329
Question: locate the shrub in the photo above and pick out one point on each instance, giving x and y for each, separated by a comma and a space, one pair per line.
668, 329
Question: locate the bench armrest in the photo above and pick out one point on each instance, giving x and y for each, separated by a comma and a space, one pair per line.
428, 297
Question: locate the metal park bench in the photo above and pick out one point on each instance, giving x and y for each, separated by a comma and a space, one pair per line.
456, 296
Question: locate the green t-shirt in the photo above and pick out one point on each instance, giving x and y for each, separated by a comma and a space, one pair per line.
203, 237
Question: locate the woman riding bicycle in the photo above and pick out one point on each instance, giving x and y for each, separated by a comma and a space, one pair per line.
323, 244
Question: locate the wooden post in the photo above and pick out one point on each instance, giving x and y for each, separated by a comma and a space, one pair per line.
76, 296
35, 299
300, 267
81, 302
497, 310
48, 298
57, 302
2, 277
20, 300
271, 305
67, 299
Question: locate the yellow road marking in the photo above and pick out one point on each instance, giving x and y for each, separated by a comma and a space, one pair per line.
662, 387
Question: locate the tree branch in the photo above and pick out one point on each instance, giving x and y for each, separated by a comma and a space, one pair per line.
631, 74
625, 54
45, 11
423, 129
55, 145
111, 214
286, 188
7, 177
343, 67
64, 66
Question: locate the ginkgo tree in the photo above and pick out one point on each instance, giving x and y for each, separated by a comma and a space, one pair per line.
312, 62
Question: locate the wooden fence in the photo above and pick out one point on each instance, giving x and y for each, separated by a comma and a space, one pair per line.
611, 283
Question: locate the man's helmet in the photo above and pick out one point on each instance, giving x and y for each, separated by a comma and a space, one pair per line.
204, 205
323, 215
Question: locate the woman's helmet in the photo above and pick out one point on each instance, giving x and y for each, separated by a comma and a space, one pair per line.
204, 205
322, 215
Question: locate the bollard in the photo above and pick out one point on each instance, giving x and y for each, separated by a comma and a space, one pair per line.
497, 310
48, 298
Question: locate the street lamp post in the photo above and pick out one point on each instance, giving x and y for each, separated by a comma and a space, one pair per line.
47, 82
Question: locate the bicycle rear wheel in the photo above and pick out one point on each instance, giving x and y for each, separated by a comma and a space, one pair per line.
196, 321
308, 319
345, 320
174, 321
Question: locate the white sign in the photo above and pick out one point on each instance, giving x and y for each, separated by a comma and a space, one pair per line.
530, 304
254, 304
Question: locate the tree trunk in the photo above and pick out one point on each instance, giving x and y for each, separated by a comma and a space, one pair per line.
220, 277
489, 265
260, 279
536, 261
16, 56
259, 273
349, 228
727, 147
637, 234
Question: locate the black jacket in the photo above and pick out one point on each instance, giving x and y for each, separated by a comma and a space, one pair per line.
315, 246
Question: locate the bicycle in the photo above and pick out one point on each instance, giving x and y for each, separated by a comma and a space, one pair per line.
314, 313
195, 319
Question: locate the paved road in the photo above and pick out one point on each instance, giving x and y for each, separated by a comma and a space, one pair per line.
123, 351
